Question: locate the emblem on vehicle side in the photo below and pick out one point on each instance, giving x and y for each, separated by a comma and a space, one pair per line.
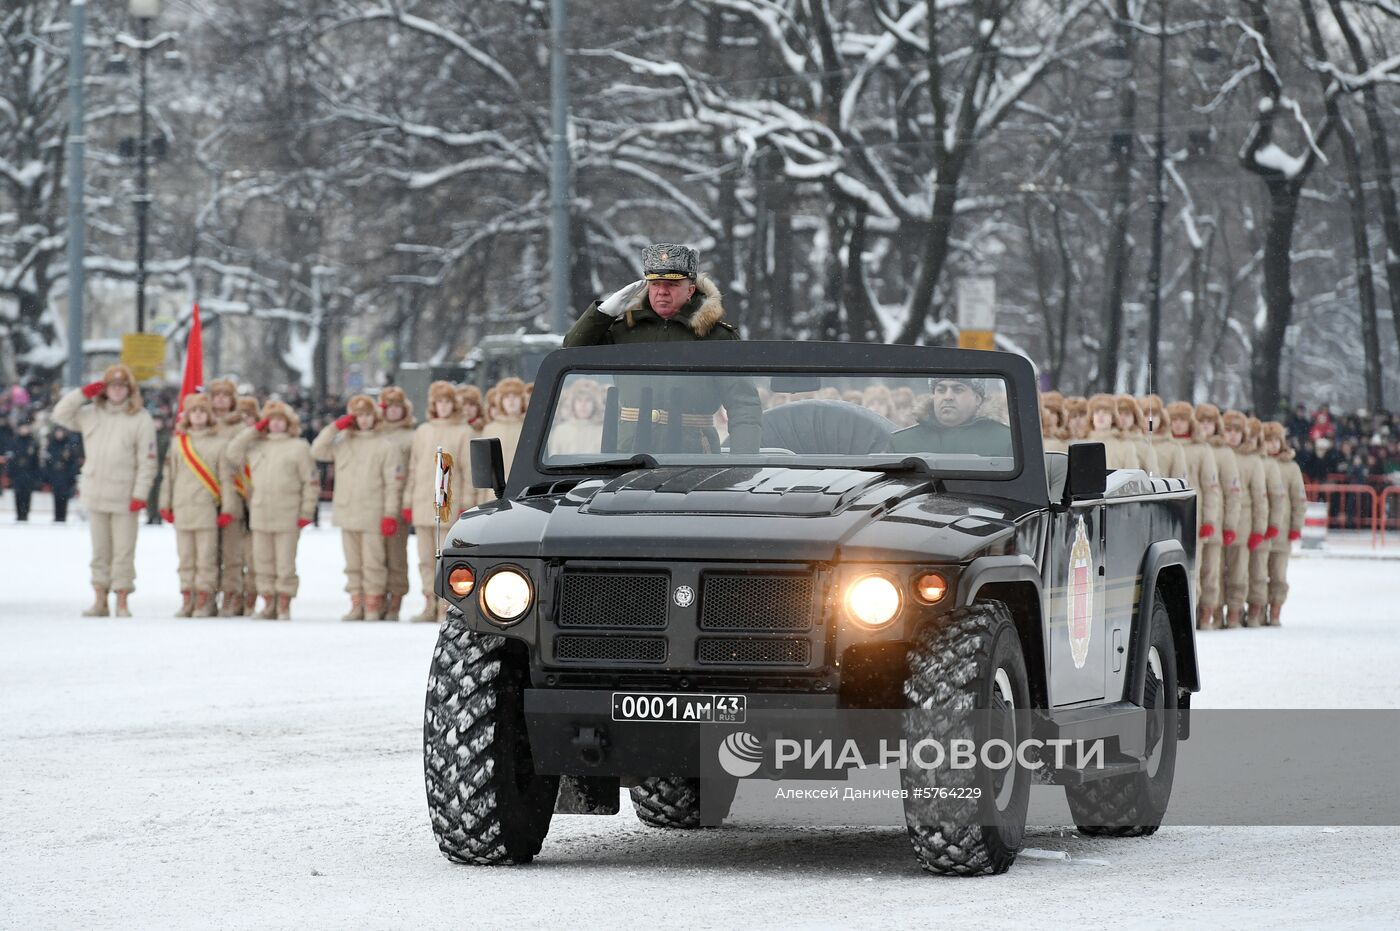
684, 595
1081, 596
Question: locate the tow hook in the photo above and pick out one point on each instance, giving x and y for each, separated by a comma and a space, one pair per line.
590, 743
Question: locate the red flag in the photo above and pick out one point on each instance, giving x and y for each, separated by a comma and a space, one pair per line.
194, 361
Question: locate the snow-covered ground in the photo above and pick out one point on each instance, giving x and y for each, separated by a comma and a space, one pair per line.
231, 773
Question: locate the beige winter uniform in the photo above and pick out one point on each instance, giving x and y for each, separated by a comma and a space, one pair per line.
368, 488
1136, 435
1254, 519
1295, 500
454, 436
1231, 494
507, 430
195, 507
1197, 465
285, 489
119, 450
399, 436
1118, 453
1278, 529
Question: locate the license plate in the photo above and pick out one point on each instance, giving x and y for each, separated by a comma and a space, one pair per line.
688, 708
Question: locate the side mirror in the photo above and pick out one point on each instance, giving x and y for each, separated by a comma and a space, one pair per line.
488, 465
1088, 472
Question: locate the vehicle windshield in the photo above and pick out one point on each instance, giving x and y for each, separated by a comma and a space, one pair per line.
942, 423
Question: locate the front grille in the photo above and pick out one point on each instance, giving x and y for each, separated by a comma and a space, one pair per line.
571, 648
737, 601
613, 599
753, 652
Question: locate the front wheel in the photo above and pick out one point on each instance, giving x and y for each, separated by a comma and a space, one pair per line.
485, 800
1134, 805
967, 683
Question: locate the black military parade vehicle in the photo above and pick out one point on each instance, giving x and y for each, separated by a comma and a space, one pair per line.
720, 531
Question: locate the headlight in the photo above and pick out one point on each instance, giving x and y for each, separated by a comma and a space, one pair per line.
461, 580
873, 601
506, 595
930, 588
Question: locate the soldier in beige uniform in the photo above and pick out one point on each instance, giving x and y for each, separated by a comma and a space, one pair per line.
397, 427
1168, 452
237, 578
505, 426
1295, 501
1054, 435
470, 406
1277, 509
192, 498
1118, 452
1254, 517
1132, 427
368, 497
283, 503
1201, 473
445, 428
1077, 424
233, 539
119, 450
1234, 522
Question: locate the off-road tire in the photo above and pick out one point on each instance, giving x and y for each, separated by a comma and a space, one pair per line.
485, 801
952, 690
668, 802
1134, 805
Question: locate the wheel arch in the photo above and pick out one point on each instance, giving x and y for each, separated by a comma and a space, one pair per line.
1015, 582
1165, 570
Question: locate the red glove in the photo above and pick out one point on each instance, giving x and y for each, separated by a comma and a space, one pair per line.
225, 520
1295, 535
1254, 540
167, 515
388, 526
261, 425
1229, 538
1207, 531
345, 422
137, 505
407, 515
93, 390
303, 523
1272, 532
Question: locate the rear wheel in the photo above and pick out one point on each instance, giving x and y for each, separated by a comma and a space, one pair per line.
1134, 805
967, 681
485, 800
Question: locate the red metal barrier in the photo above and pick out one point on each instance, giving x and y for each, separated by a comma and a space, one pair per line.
1349, 507
1389, 510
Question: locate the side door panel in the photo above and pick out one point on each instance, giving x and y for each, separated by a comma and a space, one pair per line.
1073, 581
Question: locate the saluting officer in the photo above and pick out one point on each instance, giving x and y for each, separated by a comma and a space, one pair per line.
672, 302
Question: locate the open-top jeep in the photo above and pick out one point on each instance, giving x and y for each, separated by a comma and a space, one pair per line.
752, 527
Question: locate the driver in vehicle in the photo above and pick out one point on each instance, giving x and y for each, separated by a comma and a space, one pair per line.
949, 422
673, 302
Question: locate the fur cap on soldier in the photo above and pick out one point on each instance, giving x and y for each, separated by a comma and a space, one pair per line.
395, 395
222, 386
281, 409
363, 404
1052, 406
120, 373
1154, 413
247, 406
1253, 435
510, 385
1127, 404
195, 402
1182, 410
442, 391
1076, 414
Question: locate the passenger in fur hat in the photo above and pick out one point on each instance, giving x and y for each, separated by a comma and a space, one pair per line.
505, 426
285, 489
397, 427
1202, 475
119, 468
1118, 453
1294, 503
368, 497
1275, 497
192, 498
445, 427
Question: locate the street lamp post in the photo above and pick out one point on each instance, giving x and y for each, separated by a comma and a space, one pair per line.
1159, 197
143, 11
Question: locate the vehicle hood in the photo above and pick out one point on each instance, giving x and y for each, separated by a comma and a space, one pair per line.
741, 514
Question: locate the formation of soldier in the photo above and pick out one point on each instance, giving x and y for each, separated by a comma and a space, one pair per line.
1249, 490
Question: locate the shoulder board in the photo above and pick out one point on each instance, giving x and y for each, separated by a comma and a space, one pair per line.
728, 326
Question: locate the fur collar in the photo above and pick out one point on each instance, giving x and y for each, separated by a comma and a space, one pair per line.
701, 312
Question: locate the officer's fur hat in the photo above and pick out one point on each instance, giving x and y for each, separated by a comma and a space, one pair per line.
670, 261
442, 391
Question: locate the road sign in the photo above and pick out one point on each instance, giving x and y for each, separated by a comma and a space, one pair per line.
144, 354
977, 312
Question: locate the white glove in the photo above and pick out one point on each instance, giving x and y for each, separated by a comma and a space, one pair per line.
615, 303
